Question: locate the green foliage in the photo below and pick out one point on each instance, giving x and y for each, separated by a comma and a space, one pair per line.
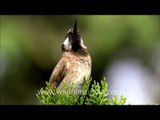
97, 95
50, 96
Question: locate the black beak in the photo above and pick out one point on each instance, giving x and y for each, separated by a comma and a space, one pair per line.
74, 28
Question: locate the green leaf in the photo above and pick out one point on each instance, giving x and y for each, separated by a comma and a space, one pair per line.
97, 95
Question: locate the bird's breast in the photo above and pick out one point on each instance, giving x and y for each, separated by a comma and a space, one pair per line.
77, 69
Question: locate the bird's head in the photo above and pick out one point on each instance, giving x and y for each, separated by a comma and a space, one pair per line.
73, 41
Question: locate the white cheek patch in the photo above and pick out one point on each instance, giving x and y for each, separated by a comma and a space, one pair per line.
66, 41
83, 44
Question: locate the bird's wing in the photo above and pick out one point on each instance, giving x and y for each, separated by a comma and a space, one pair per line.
58, 73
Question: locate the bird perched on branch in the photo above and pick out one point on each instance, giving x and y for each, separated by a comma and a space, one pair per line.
75, 62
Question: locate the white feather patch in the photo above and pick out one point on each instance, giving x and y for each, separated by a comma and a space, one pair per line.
82, 44
66, 41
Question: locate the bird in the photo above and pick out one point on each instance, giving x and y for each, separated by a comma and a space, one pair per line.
75, 63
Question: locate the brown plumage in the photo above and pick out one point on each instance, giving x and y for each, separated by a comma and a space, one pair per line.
75, 63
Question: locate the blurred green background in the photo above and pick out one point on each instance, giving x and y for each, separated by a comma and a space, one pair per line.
30, 47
